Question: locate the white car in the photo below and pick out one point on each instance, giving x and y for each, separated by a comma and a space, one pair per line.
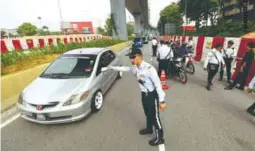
70, 87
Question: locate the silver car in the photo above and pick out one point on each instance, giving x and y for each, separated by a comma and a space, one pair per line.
70, 87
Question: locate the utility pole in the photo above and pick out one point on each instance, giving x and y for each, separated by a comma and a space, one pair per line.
61, 17
185, 13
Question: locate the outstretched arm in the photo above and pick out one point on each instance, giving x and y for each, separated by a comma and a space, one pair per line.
123, 69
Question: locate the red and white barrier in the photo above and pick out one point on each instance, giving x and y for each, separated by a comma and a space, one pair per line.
203, 44
25, 43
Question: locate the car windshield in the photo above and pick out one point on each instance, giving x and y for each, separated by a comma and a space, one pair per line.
70, 67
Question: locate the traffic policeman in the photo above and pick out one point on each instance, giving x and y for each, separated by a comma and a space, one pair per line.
163, 56
212, 63
228, 56
153, 96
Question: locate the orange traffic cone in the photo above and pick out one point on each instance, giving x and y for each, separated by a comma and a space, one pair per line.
163, 80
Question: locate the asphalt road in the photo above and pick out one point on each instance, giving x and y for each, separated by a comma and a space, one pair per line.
195, 120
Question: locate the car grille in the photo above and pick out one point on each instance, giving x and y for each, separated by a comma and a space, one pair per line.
52, 104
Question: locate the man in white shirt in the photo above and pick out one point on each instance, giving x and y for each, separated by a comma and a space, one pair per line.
228, 56
190, 44
212, 63
251, 109
154, 46
163, 56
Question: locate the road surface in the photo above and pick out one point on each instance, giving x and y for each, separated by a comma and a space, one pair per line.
195, 120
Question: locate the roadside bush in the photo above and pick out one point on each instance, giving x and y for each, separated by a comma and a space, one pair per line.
13, 57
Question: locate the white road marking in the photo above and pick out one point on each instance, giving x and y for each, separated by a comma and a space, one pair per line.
161, 147
5, 123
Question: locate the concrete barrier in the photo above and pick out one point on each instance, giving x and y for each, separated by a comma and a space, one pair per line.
13, 84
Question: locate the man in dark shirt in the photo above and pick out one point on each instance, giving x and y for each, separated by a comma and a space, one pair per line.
245, 66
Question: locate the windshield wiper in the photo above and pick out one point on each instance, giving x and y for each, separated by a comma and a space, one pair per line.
57, 75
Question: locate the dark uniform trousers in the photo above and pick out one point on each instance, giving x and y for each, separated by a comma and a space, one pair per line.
151, 109
212, 71
241, 78
163, 65
251, 109
154, 50
228, 62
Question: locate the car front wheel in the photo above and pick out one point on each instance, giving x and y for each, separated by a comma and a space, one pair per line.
97, 101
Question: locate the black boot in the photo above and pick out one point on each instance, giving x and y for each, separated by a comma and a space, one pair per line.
158, 139
146, 131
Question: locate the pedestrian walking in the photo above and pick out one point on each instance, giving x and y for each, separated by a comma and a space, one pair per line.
154, 46
212, 63
153, 96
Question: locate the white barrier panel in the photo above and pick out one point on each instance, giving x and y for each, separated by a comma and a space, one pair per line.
36, 42
23, 44
9, 44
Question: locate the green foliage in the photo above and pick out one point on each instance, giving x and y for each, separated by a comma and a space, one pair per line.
170, 14
27, 29
130, 29
13, 57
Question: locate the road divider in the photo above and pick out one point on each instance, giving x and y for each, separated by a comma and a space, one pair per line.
13, 84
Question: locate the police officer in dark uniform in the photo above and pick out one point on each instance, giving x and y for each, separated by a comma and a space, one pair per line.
153, 96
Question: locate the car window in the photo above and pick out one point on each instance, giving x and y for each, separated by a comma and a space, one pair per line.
104, 60
111, 56
70, 67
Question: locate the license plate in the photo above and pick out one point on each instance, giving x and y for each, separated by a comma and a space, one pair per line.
41, 117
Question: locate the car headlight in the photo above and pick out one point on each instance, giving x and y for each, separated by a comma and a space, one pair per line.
76, 98
20, 99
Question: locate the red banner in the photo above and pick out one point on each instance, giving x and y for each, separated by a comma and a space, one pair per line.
17, 45
3, 47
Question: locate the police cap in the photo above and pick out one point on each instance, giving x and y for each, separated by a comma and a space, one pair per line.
134, 52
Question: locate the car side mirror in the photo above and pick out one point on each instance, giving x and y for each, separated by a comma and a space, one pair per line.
103, 69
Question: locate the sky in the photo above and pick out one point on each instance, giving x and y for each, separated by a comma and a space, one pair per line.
14, 12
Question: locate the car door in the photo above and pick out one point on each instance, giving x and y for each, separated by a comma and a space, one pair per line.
113, 61
102, 77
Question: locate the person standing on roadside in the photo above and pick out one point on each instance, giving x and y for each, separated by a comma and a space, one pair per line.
245, 67
228, 56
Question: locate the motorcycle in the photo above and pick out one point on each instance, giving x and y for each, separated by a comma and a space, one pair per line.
178, 69
189, 66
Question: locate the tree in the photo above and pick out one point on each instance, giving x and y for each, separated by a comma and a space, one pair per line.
170, 14
45, 27
130, 29
2, 33
27, 29
108, 26
101, 31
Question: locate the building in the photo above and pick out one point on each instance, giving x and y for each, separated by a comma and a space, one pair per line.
77, 27
234, 10
188, 28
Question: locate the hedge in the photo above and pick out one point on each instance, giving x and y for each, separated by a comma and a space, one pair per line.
14, 57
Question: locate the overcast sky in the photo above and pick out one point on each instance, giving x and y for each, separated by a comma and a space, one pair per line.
15, 12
